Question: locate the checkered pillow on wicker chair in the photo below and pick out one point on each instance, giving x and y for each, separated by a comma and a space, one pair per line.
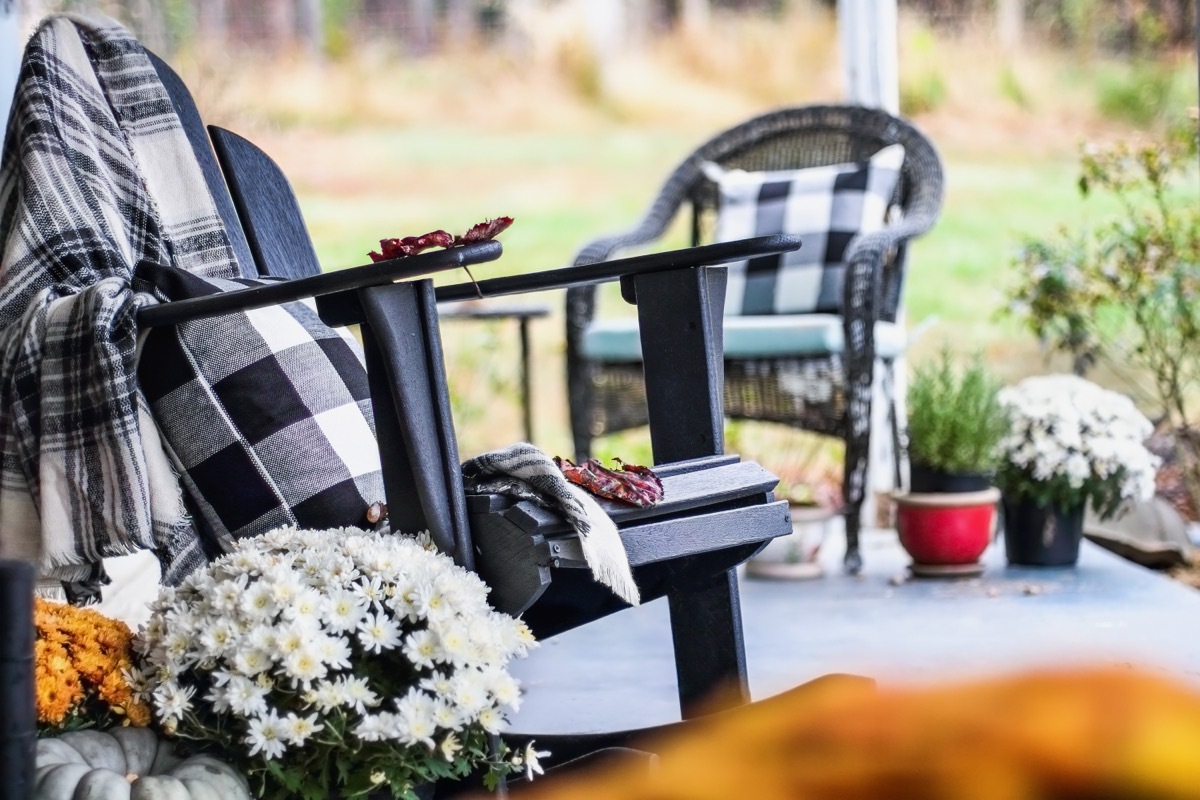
266, 413
826, 206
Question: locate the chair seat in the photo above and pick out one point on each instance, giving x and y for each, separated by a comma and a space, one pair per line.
768, 336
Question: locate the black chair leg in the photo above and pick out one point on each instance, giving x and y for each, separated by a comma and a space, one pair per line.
710, 655
18, 725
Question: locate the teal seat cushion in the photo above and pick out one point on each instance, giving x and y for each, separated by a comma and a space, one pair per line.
767, 336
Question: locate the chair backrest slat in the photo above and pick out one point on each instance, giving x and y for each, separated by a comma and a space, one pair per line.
267, 207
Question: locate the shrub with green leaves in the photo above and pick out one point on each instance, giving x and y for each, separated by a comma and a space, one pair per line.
1127, 291
955, 419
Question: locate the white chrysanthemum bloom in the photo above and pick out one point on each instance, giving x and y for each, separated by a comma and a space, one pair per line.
177, 643
491, 719
530, 759
344, 610
447, 715
449, 746
373, 591
245, 697
1089, 439
356, 693
469, 691
173, 701
265, 734
294, 630
504, 688
422, 649
258, 602
416, 718
251, 660
379, 632
218, 638
455, 645
297, 730
227, 595
304, 665
305, 608
377, 727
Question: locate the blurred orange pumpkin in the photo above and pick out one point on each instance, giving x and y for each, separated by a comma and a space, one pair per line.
1105, 732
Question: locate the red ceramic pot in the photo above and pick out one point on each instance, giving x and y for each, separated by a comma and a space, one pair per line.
946, 530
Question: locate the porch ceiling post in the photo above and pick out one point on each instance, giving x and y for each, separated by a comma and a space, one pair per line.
870, 67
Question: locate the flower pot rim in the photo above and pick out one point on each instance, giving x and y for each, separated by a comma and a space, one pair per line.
988, 496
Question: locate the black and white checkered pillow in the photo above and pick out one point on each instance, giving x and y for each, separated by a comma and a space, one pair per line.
825, 206
266, 413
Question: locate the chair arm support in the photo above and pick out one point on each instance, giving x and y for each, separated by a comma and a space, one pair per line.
377, 274
583, 274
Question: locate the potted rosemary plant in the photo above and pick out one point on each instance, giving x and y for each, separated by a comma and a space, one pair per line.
955, 422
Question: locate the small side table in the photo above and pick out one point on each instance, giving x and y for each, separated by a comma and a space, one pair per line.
475, 310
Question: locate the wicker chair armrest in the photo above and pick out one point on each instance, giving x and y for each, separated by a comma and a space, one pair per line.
863, 301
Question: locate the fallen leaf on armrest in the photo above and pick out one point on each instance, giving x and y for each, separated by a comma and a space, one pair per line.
411, 245
631, 484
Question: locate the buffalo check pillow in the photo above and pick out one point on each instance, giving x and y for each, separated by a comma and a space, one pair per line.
266, 413
825, 206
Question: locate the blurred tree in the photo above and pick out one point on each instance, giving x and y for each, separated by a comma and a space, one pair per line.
462, 20
212, 19
420, 26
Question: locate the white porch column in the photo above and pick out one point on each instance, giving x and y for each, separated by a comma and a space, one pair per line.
870, 69
867, 33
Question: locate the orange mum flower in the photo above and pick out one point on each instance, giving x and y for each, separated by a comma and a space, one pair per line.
79, 658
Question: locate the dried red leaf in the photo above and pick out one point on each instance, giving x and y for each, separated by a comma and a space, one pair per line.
485, 231
411, 245
631, 484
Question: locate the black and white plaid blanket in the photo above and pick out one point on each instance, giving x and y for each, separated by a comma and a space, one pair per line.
96, 177
522, 470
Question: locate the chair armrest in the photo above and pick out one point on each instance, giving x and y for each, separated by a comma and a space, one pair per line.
584, 274
376, 274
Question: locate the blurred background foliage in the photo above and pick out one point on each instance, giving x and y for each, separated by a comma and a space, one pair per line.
395, 117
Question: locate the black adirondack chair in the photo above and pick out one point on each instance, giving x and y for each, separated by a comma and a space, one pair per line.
718, 510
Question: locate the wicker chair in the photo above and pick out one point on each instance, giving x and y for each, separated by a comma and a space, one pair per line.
826, 391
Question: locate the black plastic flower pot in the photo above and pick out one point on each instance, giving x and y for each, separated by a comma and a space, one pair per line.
1036, 536
928, 480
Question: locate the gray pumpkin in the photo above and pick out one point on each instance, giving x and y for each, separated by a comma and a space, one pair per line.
129, 764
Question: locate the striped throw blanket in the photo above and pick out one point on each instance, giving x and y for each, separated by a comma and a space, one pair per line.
96, 177
522, 470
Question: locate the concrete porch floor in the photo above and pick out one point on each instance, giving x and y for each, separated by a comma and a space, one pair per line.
618, 673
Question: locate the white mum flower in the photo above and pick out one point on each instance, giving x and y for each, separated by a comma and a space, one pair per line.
378, 632
491, 719
304, 665
297, 730
259, 601
335, 651
305, 607
344, 610
469, 691
377, 727
265, 734
416, 723
251, 660
246, 697
421, 648
356, 693
173, 700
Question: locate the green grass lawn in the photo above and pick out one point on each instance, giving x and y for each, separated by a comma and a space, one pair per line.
569, 169
565, 188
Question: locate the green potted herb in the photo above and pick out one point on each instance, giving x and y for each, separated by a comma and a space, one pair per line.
955, 422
